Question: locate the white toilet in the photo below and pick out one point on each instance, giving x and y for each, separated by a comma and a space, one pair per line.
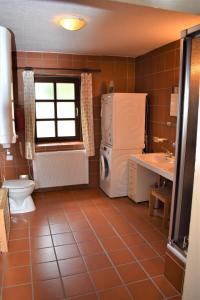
20, 195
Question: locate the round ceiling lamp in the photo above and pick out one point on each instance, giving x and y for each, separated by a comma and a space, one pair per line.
72, 23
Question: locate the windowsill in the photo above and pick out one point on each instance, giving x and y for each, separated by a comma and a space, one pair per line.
59, 146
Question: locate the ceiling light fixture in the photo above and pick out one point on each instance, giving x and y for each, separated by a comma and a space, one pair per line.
72, 23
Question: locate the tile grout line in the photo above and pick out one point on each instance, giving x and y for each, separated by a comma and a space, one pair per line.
140, 234
30, 257
84, 212
116, 208
18, 284
60, 276
18, 267
82, 257
148, 244
173, 297
137, 231
112, 264
138, 215
178, 294
137, 260
2, 280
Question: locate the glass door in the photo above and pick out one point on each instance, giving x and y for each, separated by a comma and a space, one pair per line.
186, 140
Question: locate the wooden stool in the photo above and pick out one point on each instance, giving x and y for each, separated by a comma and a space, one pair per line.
164, 194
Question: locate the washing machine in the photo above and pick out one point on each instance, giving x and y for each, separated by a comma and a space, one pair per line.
114, 170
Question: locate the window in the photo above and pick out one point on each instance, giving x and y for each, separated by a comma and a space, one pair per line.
57, 109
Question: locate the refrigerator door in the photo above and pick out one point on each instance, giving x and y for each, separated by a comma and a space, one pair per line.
186, 141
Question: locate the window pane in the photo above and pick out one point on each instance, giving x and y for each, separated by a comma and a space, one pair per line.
44, 91
65, 91
44, 110
45, 129
66, 110
66, 128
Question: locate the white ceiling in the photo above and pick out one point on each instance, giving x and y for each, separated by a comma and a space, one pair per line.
188, 6
113, 28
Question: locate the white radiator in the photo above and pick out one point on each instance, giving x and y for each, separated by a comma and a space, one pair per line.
60, 168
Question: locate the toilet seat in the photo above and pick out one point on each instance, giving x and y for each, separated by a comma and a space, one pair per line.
18, 183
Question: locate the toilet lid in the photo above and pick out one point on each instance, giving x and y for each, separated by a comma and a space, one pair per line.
18, 183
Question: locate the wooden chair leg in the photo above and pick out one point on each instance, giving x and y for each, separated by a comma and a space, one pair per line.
166, 214
151, 204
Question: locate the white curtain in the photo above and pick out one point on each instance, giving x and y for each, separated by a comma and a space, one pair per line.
87, 113
29, 110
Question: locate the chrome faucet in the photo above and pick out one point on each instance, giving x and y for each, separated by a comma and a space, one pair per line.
168, 154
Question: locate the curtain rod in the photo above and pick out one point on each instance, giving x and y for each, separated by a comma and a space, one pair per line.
63, 69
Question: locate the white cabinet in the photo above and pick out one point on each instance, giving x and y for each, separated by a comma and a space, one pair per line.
140, 180
4, 220
132, 180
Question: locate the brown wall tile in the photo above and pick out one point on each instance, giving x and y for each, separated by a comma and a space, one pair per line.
157, 72
119, 69
174, 270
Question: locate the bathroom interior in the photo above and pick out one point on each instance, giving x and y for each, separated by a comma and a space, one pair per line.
99, 150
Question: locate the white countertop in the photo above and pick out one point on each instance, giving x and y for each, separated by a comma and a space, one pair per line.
156, 162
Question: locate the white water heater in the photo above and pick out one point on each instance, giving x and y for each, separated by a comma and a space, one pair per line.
7, 131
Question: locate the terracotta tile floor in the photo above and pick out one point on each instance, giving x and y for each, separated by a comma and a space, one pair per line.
79, 244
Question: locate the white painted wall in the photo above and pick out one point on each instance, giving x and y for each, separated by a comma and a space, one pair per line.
191, 289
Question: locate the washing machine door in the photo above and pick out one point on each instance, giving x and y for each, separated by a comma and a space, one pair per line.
104, 167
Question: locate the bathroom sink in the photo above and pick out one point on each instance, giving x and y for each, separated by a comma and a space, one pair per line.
159, 158
157, 162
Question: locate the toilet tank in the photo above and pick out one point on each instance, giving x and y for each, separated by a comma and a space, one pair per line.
7, 131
